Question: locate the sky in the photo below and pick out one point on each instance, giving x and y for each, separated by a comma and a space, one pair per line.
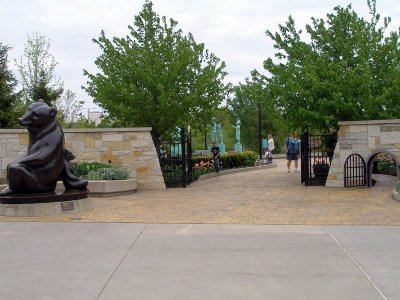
234, 30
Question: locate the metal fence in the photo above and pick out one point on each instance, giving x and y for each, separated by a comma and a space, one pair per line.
316, 157
176, 160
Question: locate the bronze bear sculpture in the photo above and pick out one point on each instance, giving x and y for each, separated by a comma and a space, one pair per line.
46, 161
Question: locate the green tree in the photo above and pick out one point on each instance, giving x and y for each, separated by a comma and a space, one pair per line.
349, 70
37, 67
8, 96
248, 98
156, 77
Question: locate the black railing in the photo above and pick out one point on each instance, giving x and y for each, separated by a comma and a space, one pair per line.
175, 160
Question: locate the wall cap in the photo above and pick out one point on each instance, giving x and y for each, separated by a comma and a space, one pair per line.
85, 130
370, 122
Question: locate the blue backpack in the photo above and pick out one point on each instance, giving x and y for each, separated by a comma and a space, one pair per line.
293, 146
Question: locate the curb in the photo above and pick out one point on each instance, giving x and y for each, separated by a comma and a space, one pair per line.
233, 171
395, 195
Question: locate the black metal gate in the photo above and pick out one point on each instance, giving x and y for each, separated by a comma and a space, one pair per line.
355, 171
316, 157
176, 159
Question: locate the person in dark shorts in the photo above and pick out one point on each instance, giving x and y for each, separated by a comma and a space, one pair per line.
216, 156
292, 149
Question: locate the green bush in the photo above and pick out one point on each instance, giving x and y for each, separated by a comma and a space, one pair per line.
82, 169
383, 166
398, 187
229, 161
109, 173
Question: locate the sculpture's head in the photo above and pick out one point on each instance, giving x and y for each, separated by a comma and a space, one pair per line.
38, 117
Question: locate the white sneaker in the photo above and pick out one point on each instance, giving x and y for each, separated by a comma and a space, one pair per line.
296, 171
288, 170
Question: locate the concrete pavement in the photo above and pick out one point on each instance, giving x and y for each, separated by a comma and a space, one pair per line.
43, 260
213, 240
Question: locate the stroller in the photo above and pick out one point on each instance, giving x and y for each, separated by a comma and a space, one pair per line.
268, 156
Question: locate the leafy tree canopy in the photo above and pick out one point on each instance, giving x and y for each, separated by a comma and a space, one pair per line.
156, 76
247, 99
36, 67
348, 70
8, 97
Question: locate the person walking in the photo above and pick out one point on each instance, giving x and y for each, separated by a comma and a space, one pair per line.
292, 149
271, 144
216, 156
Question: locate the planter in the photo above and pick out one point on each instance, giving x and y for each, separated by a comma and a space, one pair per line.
321, 170
104, 188
395, 195
107, 188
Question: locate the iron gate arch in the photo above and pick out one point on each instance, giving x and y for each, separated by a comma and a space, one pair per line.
355, 171
316, 157
176, 159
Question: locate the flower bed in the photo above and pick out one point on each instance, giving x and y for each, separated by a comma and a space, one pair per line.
204, 165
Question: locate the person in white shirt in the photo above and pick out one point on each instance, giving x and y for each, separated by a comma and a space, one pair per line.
271, 145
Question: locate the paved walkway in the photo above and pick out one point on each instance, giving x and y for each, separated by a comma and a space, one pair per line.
87, 261
95, 255
266, 196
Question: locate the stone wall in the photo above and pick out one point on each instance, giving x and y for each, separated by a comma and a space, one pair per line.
130, 148
365, 138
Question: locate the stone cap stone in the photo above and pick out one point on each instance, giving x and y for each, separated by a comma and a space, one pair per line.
370, 122
90, 130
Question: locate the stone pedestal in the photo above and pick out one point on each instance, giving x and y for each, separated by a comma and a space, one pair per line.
221, 148
238, 148
45, 209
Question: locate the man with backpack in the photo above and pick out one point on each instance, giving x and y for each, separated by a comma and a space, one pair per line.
292, 149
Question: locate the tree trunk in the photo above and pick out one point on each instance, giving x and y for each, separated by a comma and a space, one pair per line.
157, 142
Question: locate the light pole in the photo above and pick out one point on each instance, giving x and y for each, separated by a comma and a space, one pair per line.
88, 109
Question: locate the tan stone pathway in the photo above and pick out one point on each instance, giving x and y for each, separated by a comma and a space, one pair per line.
266, 196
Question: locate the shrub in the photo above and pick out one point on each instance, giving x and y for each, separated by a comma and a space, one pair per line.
109, 173
384, 165
228, 161
398, 187
82, 169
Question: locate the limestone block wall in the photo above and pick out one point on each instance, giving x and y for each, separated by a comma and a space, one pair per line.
365, 138
130, 148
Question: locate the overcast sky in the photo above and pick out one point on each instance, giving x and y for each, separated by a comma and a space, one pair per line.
234, 30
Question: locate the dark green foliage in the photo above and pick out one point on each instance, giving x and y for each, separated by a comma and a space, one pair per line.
231, 160
82, 169
156, 77
385, 165
204, 165
36, 67
348, 70
248, 98
8, 98
108, 174
45, 90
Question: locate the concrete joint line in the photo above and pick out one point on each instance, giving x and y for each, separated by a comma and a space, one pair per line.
120, 262
357, 264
